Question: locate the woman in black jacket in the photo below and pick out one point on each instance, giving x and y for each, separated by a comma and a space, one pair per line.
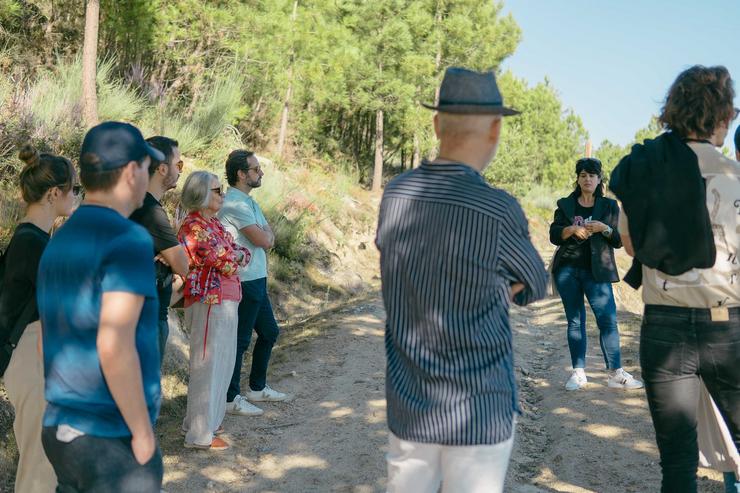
585, 231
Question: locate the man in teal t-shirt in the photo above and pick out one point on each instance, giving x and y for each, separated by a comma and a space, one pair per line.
98, 308
243, 218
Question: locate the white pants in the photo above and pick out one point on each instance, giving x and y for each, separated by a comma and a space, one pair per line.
211, 367
24, 382
423, 467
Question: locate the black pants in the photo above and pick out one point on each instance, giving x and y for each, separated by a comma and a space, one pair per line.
95, 464
677, 347
255, 313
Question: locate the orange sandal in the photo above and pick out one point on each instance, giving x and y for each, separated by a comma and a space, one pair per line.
217, 445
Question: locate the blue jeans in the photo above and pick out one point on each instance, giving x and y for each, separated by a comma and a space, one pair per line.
573, 283
255, 313
677, 347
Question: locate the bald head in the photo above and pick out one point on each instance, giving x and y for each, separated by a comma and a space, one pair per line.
472, 139
455, 126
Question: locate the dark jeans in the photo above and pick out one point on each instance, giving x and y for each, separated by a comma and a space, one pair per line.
731, 484
164, 332
95, 464
164, 295
255, 312
677, 347
573, 283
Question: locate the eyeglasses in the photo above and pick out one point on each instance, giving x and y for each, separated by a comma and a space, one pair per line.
255, 168
218, 190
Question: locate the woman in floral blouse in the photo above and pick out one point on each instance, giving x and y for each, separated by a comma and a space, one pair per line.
212, 295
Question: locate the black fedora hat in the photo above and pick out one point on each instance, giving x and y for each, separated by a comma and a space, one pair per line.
465, 91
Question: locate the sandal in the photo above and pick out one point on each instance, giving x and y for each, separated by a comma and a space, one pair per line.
217, 445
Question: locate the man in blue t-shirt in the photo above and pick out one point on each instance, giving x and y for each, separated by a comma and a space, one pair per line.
98, 308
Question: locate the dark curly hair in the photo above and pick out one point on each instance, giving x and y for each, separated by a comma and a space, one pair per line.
699, 101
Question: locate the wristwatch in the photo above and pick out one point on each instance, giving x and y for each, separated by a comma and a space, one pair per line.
607, 232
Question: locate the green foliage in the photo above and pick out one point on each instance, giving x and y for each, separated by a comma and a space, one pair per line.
217, 75
539, 146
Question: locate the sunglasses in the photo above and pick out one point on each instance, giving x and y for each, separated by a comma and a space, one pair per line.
218, 190
77, 189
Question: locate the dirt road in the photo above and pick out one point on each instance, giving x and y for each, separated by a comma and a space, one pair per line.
332, 436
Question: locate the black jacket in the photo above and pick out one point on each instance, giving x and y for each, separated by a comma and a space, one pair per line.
664, 196
603, 265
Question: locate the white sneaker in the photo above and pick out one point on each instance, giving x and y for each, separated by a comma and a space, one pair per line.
241, 407
620, 379
266, 395
577, 379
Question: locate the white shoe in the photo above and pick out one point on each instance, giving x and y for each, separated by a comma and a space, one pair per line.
241, 407
266, 395
620, 379
577, 379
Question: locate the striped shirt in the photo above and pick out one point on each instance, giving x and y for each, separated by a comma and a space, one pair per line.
450, 247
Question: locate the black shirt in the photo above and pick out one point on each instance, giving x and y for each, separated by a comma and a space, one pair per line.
21, 269
578, 252
153, 217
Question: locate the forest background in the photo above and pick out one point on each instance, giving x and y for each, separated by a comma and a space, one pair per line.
330, 84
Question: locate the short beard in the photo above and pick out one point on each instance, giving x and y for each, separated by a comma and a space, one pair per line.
254, 184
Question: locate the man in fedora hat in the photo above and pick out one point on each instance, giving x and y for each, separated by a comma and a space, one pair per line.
454, 253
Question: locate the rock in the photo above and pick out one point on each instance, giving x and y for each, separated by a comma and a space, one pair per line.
524, 371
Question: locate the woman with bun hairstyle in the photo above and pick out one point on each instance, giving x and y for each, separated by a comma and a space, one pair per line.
48, 185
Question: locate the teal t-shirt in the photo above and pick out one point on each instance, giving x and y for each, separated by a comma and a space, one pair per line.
239, 211
96, 251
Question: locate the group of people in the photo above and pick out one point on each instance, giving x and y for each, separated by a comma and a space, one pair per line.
87, 308
455, 253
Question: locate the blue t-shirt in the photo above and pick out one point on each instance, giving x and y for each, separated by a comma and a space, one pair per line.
238, 211
96, 251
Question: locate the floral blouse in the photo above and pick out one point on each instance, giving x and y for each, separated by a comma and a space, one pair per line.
212, 254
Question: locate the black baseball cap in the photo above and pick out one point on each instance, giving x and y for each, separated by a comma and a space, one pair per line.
115, 144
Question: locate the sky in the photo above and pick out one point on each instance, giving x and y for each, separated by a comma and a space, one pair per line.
612, 61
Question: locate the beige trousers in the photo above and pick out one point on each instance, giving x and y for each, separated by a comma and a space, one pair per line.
24, 382
211, 366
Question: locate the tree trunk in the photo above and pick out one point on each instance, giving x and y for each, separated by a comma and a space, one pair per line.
89, 63
416, 159
378, 170
288, 94
284, 117
438, 56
